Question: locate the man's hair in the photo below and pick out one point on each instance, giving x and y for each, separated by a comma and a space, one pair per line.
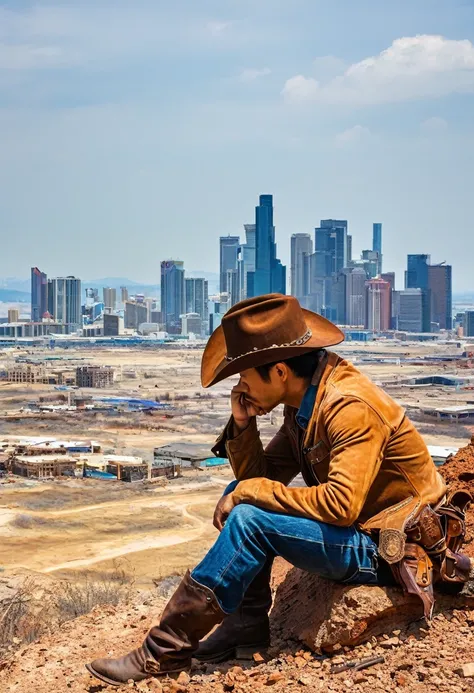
303, 366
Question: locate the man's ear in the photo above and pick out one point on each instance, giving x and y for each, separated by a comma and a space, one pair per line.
282, 371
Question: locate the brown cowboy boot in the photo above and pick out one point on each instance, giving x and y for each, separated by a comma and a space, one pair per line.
247, 630
191, 613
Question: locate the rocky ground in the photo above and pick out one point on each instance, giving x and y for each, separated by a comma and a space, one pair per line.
416, 658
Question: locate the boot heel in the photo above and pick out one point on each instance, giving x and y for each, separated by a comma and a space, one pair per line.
247, 653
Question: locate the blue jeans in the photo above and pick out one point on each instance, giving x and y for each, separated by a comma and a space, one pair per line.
251, 535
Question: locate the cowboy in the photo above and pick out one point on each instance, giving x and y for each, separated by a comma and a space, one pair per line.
366, 468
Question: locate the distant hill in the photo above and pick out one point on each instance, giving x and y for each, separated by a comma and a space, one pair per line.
13, 296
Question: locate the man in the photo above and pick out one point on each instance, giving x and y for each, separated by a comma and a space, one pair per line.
367, 470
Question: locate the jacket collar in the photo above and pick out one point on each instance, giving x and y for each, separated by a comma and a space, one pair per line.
320, 379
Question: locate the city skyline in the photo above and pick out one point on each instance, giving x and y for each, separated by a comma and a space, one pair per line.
150, 126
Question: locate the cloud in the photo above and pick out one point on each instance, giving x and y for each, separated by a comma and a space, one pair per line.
434, 126
217, 28
252, 73
411, 68
353, 135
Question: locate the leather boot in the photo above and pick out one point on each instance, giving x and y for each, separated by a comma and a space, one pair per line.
247, 630
189, 615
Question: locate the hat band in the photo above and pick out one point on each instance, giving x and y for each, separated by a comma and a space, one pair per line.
296, 342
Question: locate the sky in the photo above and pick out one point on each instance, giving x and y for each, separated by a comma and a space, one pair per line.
141, 130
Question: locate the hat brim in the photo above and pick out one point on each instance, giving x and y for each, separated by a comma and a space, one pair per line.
215, 367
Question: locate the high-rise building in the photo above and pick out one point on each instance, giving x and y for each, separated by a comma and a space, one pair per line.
66, 300
39, 294
135, 314
197, 300
390, 278
468, 323
191, 323
356, 297
123, 294
246, 263
441, 295
379, 305
349, 250
377, 242
270, 274
110, 298
416, 277
371, 260
172, 294
112, 324
229, 252
329, 258
301, 249
13, 315
409, 310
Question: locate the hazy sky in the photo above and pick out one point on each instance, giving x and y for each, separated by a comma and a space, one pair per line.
137, 130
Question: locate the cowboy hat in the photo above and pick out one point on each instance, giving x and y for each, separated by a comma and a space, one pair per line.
261, 330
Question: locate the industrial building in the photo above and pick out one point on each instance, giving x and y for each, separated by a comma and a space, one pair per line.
94, 376
44, 466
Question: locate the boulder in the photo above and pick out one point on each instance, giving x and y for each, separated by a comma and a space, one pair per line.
325, 615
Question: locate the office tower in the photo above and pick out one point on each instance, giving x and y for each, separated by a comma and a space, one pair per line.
339, 296
390, 278
92, 296
379, 305
329, 258
197, 300
301, 249
356, 297
123, 294
39, 294
416, 277
191, 323
13, 315
409, 307
441, 295
371, 262
172, 294
377, 243
66, 300
246, 263
270, 274
135, 314
229, 251
112, 325
110, 298
468, 323
349, 250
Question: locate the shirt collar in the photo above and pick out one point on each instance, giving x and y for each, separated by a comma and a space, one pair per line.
306, 407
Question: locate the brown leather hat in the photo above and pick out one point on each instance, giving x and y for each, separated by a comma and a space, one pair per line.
263, 330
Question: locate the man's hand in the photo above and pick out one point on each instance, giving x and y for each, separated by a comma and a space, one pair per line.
242, 410
223, 510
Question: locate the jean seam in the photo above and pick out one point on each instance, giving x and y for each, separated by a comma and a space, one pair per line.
287, 536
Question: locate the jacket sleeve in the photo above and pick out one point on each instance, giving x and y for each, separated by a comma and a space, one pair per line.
357, 437
249, 459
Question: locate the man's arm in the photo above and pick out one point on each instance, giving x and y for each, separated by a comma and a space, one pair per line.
249, 459
357, 437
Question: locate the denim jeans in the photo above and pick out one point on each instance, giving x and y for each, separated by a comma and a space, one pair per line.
251, 535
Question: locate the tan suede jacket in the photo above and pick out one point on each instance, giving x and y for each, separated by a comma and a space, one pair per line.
362, 459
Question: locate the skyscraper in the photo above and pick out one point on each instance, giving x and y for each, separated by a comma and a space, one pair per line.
39, 294
377, 240
329, 258
270, 274
356, 297
66, 300
246, 263
416, 277
379, 305
229, 251
197, 300
441, 295
468, 323
172, 294
409, 309
301, 249
110, 297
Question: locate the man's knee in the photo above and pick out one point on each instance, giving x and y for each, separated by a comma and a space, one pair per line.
248, 517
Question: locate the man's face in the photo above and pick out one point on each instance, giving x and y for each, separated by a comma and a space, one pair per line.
262, 394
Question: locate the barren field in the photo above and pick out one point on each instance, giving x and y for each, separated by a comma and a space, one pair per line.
75, 528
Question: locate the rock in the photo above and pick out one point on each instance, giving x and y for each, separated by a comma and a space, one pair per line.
345, 615
391, 642
466, 670
183, 679
274, 677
